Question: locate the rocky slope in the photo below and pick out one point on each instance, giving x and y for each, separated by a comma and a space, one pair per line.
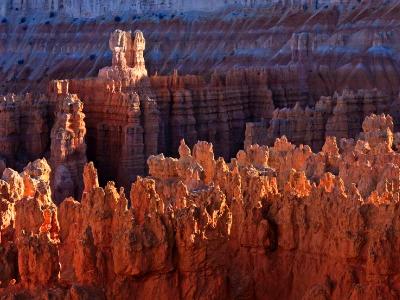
277, 222
309, 215
308, 53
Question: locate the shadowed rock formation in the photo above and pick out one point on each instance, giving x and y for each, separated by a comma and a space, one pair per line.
130, 116
68, 148
340, 116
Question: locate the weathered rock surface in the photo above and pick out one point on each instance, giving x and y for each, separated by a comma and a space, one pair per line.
85, 8
127, 58
68, 148
340, 116
24, 129
130, 116
277, 222
308, 53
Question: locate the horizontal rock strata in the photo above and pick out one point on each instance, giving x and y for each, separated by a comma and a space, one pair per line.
308, 53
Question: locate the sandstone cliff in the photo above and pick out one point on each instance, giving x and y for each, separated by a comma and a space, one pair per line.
277, 222
130, 115
24, 128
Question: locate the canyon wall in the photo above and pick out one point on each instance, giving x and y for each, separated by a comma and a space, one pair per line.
25, 128
277, 222
308, 210
307, 53
131, 115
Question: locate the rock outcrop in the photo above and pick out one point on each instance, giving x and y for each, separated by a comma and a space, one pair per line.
29, 229
201, 228
340, 116
68, 148
127, 58
24, 128
130, 116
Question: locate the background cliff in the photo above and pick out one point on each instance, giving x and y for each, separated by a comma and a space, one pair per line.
308, 53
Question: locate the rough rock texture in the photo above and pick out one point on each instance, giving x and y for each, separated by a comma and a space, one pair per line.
308, 53
24, 128
29, 229
85, 8
68, 148
127, 57
340, 116
277, 222
130, 116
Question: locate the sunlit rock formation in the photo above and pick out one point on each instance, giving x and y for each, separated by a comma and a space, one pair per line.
307, 53
127, 58
202, 228
130, 116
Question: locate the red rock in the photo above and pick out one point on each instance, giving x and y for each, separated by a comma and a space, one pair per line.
205, 228
68, 148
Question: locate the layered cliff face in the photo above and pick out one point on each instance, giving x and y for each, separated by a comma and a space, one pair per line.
130, 116
308, 53
311, 214
277, 222
37, 126
85, 8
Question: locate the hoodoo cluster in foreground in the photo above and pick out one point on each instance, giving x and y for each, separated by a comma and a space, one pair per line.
276, 222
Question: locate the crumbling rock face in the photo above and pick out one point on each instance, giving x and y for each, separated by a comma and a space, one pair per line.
68, 148
310, 48
276, 222
41, 126
127, 57
340, 116
29, 229
24, 129
130, 116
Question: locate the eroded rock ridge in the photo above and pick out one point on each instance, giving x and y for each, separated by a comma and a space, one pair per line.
201, 228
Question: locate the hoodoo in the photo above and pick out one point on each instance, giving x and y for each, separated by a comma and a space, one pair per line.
226, 150
127, 58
